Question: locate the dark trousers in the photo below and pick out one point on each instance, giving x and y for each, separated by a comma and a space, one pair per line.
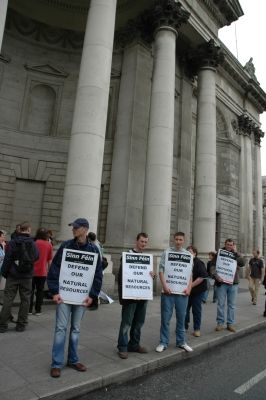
133, 317
13, 285
194, 302
38, 283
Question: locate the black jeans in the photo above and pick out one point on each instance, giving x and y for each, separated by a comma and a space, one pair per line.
13, 285
38, 284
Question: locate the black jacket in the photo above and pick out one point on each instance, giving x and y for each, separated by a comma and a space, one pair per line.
9, 266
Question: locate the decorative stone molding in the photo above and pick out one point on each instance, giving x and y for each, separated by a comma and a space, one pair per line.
258, 135
245, 126
40, 32
166, 13
235, 71
207, 54
4, 59
46, 69
223, 11
169, 13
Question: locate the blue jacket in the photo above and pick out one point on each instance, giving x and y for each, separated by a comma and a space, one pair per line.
54, 271
9, 266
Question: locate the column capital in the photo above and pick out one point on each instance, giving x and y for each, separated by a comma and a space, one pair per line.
258, 135
165, 14
245, 126
206, 55
169, 13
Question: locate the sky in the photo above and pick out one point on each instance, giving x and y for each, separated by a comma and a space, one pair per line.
245, 39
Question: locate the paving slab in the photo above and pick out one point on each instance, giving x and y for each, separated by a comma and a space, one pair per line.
26, 356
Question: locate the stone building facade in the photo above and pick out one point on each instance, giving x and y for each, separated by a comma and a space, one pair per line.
264, 214
132, 114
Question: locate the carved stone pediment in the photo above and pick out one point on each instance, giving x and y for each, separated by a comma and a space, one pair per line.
47, 69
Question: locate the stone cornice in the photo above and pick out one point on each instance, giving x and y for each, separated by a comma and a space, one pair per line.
236, 72
223, 11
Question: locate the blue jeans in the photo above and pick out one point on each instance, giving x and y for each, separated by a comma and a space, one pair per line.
65, 312
133, 318
196, 303
226, 292
168, 302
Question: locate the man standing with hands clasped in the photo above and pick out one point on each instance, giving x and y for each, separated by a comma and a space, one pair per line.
170, 300
227, 291
133, 311
72, 312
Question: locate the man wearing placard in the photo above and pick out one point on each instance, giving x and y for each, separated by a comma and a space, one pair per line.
227, 278
74, 278
175, 272
135, 288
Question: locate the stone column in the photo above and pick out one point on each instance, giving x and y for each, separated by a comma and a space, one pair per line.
84, 171
204, 222
159, 167
258, 242
125, 206
3, 10
185, 161
246, 186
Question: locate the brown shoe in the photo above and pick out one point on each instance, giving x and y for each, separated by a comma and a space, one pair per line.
231, 328
219, 328
140, 349
78, 367
55, 372
196, 333
123, 355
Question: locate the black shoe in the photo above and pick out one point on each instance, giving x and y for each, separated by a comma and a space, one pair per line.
20, 328
3, 329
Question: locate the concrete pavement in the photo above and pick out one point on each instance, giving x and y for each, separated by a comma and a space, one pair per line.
25, 357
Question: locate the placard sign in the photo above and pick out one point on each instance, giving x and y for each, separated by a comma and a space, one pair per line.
76, 275
136, 278
178, 268
226, 266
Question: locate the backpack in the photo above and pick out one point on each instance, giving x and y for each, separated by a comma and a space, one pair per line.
24, 256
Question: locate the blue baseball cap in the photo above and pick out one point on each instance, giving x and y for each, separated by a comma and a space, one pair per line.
80, 222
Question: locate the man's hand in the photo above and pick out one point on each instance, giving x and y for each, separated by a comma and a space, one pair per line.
57, 299
87, 302
166, 290
187, 291
153, 274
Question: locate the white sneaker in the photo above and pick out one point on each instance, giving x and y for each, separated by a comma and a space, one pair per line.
160, 348
186, 347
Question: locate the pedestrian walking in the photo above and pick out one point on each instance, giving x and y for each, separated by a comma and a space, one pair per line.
255, 275
40, 269
17, 268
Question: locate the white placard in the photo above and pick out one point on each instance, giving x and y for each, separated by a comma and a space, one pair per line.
76, 275
178, 268
226, 266
136, 278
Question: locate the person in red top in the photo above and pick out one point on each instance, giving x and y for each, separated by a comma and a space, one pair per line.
40, 269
